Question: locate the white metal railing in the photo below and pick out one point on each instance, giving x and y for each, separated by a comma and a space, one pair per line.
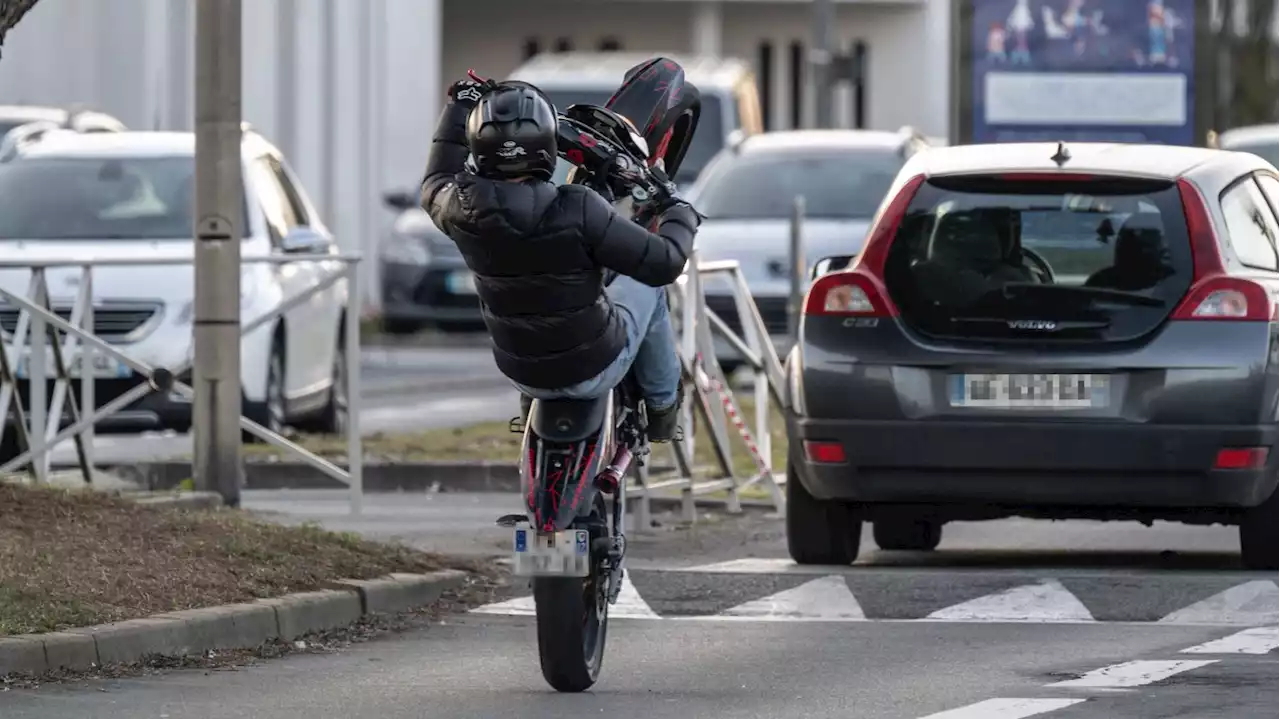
39, 426
707, 394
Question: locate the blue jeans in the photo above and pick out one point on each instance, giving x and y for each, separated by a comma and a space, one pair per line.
650, 349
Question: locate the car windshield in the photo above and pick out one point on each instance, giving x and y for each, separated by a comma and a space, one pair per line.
707, 140
1269, 151
836, 184
85, 198
1107, 259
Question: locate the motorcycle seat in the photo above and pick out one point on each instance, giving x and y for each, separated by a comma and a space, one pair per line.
567, 420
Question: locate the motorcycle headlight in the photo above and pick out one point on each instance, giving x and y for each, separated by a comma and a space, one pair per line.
405, 250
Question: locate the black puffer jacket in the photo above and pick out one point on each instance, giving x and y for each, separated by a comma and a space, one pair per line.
539, 253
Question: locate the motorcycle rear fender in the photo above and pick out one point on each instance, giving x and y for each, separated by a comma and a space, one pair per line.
557, 478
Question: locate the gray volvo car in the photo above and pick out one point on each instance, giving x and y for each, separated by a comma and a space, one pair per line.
1043, 330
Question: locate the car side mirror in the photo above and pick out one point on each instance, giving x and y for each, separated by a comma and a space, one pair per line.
829, 264
399, 200
304, 240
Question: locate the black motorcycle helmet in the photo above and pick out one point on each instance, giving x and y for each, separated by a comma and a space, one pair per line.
512, 132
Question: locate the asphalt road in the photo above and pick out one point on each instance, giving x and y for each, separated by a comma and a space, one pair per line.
1007, 620
405, 389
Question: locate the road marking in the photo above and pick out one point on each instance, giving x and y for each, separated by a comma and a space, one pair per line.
1133, 674
1259, 640
822, 600
1249, 603
749, 565
1005, 709
1047, 601
630, 605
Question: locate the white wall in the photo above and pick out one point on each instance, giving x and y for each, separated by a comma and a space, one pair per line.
348, 89
908, 43
351, 89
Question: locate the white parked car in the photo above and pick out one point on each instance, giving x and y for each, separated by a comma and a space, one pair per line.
84, 196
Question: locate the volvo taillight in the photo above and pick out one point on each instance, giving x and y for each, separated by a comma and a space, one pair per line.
1214, 294
860, 290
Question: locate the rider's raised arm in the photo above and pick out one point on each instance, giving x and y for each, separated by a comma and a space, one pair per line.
619, 244
448, 157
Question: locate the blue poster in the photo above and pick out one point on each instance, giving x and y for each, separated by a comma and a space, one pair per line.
1084, 70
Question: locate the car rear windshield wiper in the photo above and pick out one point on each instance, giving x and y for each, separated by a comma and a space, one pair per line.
1102, 294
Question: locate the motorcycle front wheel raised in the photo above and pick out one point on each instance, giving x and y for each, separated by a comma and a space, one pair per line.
573, 619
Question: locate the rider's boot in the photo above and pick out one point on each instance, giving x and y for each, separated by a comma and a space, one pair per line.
662, 422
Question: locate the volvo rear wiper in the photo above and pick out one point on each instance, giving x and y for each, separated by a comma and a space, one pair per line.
1101, 294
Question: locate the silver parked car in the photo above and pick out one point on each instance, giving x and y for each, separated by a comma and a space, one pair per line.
1054, 331
747, 193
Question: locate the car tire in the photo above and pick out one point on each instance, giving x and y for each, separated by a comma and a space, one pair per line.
270, 412
819, 531
332, 419
907, 534
1258, 531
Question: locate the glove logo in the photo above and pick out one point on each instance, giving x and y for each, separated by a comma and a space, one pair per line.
470, 94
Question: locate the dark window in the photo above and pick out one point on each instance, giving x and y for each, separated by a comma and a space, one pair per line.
564, 44
531, 47
610, 44
764, 75
797, 85
973, 254
835, 184
1250, 226
860, 85
83, 198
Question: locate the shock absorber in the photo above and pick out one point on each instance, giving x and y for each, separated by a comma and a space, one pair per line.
609, 478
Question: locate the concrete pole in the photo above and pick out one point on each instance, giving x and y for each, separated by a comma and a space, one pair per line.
219, 194
824, 19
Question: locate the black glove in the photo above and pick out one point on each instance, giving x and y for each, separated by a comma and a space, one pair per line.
682, 212
468, 92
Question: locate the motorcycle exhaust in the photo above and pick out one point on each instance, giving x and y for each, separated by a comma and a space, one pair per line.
611, 477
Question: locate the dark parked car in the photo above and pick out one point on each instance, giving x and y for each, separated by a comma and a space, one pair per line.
1083, 331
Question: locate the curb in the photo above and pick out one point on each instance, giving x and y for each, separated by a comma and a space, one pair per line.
232, 626
411, 477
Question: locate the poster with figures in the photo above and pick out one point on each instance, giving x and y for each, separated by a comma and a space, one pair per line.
1084, 70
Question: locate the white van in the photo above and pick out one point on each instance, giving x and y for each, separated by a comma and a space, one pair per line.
730, 97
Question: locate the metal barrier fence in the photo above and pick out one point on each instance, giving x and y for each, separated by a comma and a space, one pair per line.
46, 421
40, 428
709, 397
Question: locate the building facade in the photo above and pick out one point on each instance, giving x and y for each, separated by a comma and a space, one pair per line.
350, 89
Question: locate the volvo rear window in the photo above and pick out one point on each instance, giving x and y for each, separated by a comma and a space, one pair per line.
1027, 260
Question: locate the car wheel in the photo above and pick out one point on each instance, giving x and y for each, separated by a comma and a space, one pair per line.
270, 413
818, 531
333, 418
1258, 531
916, 535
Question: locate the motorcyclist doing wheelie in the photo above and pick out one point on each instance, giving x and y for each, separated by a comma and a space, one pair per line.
540, 254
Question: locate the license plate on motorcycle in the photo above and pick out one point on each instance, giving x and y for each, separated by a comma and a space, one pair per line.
551, 554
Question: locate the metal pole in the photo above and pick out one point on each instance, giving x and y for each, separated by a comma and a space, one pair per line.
798, 269
219, 193
824, 19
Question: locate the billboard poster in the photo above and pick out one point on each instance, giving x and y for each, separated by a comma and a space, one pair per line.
1083, 70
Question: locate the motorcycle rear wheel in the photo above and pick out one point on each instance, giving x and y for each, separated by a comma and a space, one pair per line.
573, 621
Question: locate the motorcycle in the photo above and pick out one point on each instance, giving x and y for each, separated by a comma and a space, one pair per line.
576, 454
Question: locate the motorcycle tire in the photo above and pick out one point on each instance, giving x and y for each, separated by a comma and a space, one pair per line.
573, 621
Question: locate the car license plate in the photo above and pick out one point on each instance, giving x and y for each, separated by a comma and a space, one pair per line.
558, 554
462, 282
1030, 391
104, 367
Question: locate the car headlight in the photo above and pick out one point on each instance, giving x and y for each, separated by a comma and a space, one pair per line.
248, 296
405, 250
